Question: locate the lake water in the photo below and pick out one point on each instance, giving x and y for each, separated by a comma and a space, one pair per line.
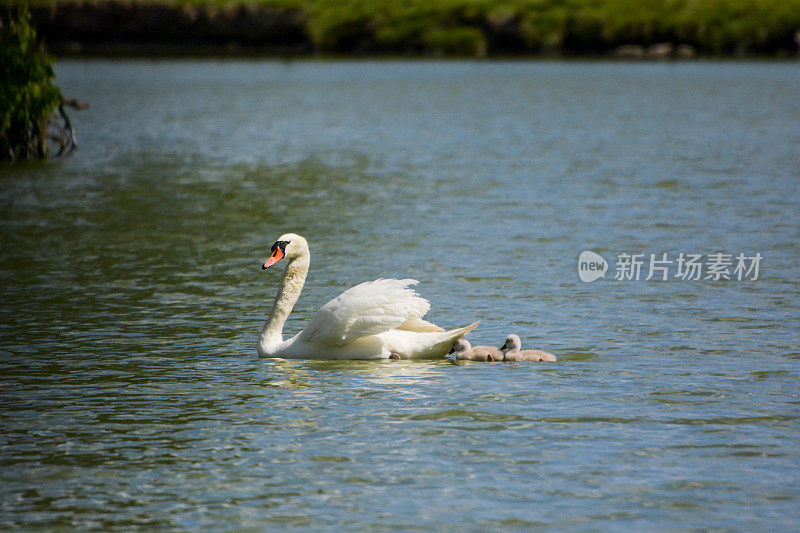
131, 392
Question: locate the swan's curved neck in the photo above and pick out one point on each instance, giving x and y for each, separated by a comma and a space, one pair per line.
288, 293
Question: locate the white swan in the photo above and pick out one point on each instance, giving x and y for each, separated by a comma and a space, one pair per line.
374, 320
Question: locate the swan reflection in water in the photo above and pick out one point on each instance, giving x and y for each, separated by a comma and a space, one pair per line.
305, 375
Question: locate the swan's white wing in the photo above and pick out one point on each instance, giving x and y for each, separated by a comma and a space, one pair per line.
418, 325
366, 309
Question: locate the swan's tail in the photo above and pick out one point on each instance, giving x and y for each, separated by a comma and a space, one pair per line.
453, 334
446, 344
429, 345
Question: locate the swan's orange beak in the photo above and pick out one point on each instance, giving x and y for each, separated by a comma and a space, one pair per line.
277, 255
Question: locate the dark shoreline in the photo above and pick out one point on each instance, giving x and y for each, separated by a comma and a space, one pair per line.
110, 28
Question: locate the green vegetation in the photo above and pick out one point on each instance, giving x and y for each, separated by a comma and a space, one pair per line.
478, 27
468, 27
27, 93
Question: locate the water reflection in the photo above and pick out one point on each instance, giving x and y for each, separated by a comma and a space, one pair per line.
394, 374
292, 374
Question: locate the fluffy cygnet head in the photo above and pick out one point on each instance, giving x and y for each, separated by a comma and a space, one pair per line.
461, 345
512, 344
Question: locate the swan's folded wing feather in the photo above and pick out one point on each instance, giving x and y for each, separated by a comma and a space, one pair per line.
418, 325
366, 309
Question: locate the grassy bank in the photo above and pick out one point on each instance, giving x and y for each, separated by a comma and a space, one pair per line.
435, 27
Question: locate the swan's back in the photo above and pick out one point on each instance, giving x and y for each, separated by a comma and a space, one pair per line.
530, 355
367, 309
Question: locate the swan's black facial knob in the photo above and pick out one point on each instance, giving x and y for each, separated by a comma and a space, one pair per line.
278, 252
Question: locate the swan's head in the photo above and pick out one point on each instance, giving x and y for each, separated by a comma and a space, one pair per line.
460, 345
289, 245
512, 343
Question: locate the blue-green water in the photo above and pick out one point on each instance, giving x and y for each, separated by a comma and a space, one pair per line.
131, 395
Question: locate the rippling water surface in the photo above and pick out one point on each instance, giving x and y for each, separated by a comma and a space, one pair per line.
131, 394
